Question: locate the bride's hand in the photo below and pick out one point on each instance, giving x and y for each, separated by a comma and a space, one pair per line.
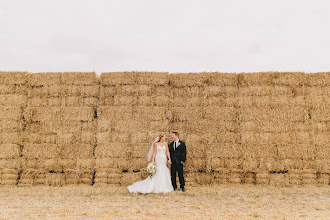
169, 162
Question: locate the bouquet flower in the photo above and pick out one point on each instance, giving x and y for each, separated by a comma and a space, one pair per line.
151, 169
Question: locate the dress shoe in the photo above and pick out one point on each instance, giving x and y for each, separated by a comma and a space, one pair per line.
183, 189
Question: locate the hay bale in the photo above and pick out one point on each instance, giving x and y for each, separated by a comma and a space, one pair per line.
40, 79
9, 151
279, 179
55, 179
318, 79
128, 178
13, 78
80, 78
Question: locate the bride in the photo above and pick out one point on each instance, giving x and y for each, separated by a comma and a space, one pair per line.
160, 182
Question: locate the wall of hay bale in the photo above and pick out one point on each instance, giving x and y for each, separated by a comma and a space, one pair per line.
132, 112
13, 100
80, 128
59, 137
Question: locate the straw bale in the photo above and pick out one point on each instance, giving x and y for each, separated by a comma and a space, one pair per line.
290, 78
152, 78
115, 112
189, 79
138, 163
149, 113
13, 77
139, 150
228, 91
114, 78
80, 90
318, 79
13, 100
114, 178
223, 79
279, 179
7, 89
11, 138
123, 100
319, 104
318, 91
39, 79
203, 178
7, 126
44, 151
259, 150
233, 163
309, 181
322, 165
262, 181
323, 178
161, 90
40, 178
10, 113
320, 115
128, 178
234, 179
219, 114
9, 151
26, 179
137, 137
78, 113
79, 78
74, 151
55, 179
252, 79
250, 164
224, 150
76, 137
214, 163
108, 91
261, 91
249, 178
36, 101
195, 164
303, 151
112, 150
122, 163
255, 102
220, 177
71, 177
222, 101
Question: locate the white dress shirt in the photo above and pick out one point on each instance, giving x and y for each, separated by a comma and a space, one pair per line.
177, 143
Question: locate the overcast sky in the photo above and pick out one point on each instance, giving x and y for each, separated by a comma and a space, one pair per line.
171, 36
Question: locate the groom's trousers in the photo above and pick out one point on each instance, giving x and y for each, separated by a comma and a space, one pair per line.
177, 168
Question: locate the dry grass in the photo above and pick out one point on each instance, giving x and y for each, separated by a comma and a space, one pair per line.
230, 202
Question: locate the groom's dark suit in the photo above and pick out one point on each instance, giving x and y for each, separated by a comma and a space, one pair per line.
177, 155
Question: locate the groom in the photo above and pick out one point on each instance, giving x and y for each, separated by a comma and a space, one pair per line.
178, 157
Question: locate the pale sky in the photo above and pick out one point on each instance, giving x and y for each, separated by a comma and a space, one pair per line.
170, 36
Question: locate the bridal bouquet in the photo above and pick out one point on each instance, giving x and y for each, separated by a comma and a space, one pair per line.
150, 168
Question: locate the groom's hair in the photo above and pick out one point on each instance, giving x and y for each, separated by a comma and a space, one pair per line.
176, 133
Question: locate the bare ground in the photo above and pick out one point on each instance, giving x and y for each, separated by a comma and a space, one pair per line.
216, 202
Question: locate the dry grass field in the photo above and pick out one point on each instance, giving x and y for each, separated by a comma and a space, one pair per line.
115, 202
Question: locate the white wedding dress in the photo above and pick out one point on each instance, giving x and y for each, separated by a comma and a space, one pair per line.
160, 182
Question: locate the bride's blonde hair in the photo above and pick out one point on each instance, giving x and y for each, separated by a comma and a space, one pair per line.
160, 136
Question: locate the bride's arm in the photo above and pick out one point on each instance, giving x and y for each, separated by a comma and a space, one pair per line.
168, 154
154, 153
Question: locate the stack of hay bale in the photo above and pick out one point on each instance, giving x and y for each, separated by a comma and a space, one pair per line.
318, 102
132, 113
224, 150
12, 102
188, 99
60, 128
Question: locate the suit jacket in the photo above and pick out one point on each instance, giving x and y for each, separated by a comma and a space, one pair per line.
179, 154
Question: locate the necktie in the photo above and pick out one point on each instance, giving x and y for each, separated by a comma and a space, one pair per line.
175, 145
